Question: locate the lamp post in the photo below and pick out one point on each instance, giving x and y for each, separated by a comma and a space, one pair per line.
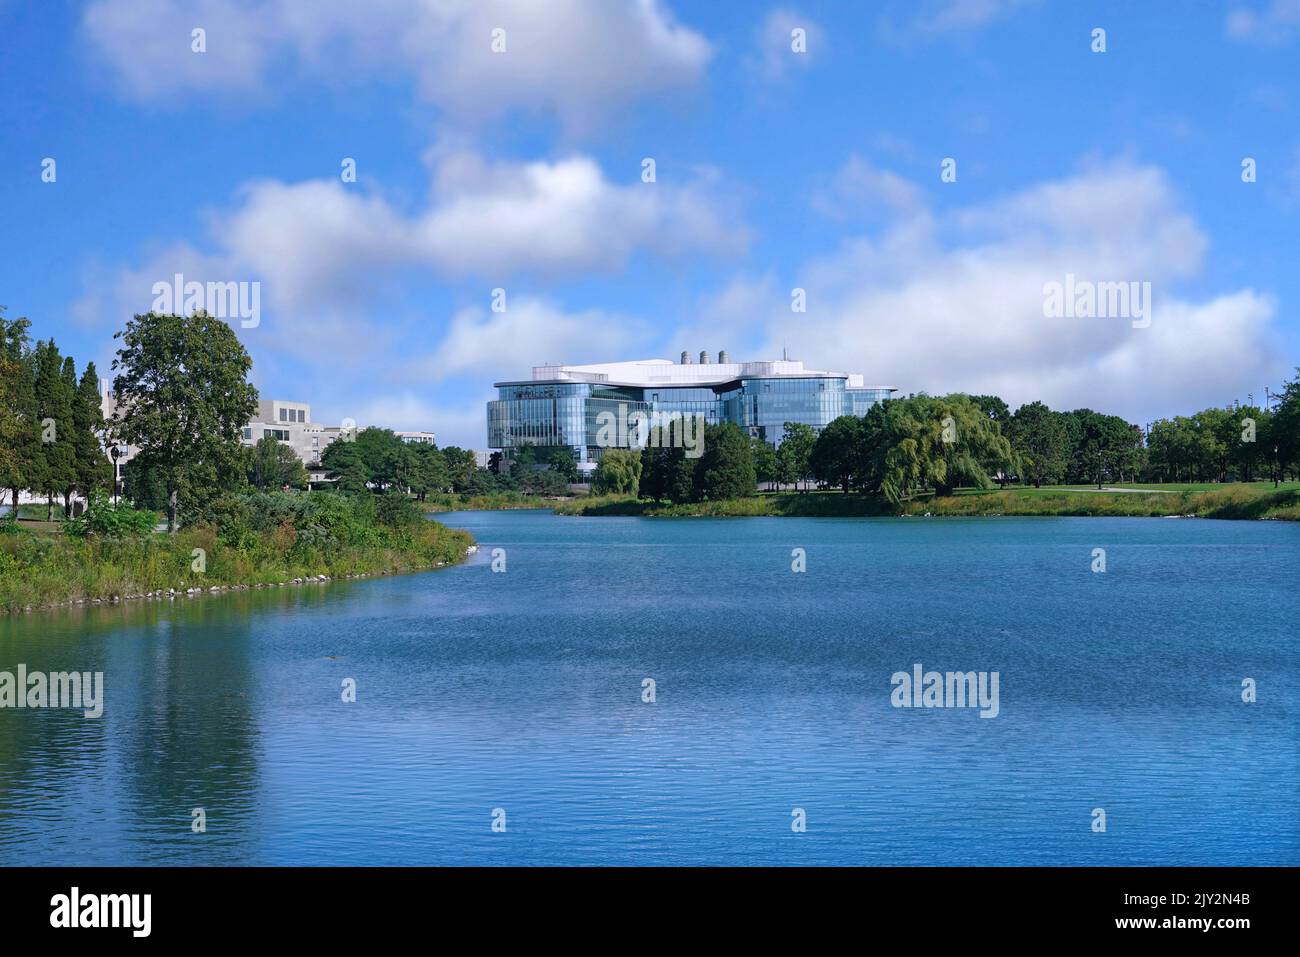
114, 452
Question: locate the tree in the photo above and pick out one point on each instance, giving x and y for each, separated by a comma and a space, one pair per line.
461, 466
563, 463
766, 466
1285, 430
942, 443
1040, 440
726, 469
54, 397
94, 470
429, 470
184, 398
619, 473
345, 466
20, 437
837, 454
273, 465
793, 456
993, 407
666, 472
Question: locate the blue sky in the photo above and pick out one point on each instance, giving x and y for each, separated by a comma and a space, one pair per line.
774, 170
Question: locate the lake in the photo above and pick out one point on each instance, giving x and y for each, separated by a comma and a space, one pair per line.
521, 691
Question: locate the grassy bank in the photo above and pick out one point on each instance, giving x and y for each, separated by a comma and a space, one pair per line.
493, 500
249, 541
1256, 501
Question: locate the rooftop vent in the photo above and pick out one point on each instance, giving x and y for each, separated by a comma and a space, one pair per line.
704, 357
723, 357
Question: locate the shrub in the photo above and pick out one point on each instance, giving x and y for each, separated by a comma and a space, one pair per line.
104, 519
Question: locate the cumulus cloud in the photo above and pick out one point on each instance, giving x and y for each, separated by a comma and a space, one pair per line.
531, 331
956, 302
577, 58
321, 245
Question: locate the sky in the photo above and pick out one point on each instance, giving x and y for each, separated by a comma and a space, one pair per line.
522, 168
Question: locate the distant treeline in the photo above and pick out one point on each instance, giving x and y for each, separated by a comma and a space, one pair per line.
902, 447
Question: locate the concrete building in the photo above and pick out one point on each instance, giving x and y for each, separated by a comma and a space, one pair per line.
287, 422
291, 424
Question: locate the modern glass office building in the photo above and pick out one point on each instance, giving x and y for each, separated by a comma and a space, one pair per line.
561, 405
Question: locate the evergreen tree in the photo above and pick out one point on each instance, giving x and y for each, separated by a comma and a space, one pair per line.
94, 470
726, 470
54, 399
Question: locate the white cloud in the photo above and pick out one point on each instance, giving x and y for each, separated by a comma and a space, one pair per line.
530, 332
774, 39
947, 16
463, 424
577, 58
322, 248
1272, 23
861, 188
955, 303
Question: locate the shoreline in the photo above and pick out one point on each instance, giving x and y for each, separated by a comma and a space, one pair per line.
171, 594
1229, 502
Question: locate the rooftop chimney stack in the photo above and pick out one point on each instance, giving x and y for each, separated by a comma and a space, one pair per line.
723, 357
686, 358
704, 357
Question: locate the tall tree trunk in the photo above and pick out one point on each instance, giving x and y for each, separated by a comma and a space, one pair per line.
171, 510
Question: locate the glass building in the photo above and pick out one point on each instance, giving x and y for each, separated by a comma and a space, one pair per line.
562, 405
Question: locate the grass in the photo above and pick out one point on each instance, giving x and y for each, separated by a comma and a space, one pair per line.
1236, 501
493, 500
42, 569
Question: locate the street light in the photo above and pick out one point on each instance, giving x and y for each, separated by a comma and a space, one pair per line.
114, 452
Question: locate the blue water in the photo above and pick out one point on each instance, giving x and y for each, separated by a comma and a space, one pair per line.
522, 691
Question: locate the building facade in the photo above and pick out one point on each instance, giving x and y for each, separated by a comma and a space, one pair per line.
289, 423
562, 405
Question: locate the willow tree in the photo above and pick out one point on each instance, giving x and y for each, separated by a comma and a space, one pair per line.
939, 443
183, 398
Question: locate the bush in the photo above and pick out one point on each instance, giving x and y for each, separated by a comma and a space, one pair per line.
106, 520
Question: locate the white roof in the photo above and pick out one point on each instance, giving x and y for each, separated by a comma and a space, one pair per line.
647, 373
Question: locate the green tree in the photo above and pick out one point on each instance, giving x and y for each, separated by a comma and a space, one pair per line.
726, 469
94, 470
1040, 440
619, 473
54, 399
184, 398
20, 436
666, 472
428, 472
461, 466
837, 456
1284, 433
563, 463
273, 465
793, 456
345, 465
766, 467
